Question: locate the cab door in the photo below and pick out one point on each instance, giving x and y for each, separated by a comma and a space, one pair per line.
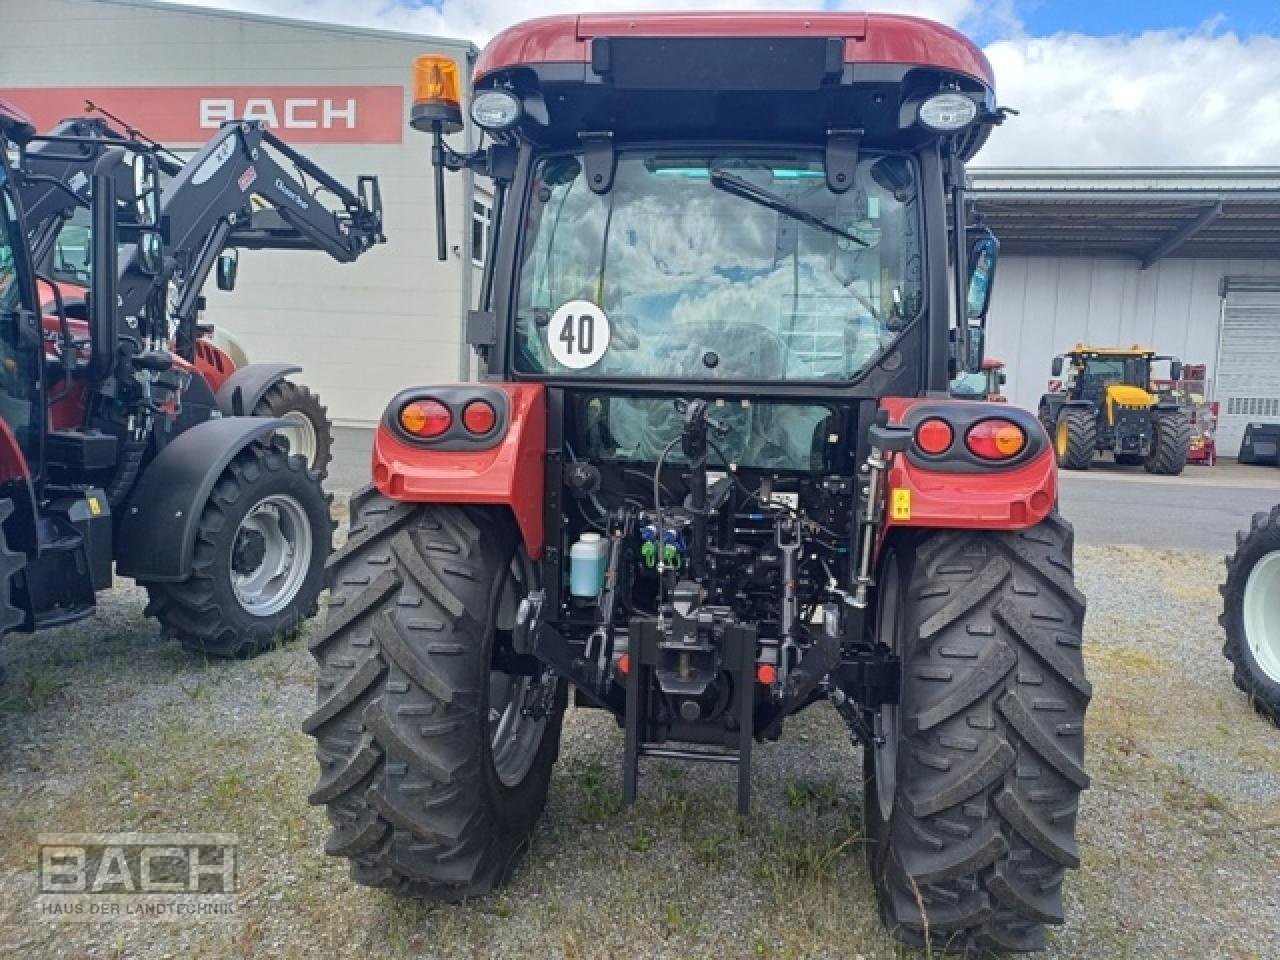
21, 408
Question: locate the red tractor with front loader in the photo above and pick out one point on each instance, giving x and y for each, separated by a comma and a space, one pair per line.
114, 457
244, 189
710, 475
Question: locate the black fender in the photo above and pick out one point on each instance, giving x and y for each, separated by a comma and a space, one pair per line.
157, 525
250, 383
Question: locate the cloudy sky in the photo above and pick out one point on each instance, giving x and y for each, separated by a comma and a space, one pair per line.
1104, 82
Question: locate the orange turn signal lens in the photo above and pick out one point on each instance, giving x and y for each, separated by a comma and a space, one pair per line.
995, 439
934, 436
426, 418
479, 417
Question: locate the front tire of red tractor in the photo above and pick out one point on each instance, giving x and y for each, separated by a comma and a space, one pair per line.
310, 434
1251, 613
971, 805
1169, 448
432, 772
261, 544
1075, 438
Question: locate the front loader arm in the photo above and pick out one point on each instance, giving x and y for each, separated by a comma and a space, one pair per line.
211, 203
245, 187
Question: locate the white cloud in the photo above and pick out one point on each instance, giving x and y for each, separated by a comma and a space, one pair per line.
1164, 97
1161, 98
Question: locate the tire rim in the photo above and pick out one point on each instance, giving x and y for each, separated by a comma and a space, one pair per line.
1062, 437
515, 735
1262, 614
886, 721
301, 434
270, 555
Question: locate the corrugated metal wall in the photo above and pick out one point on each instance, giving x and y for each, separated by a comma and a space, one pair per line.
1045, 305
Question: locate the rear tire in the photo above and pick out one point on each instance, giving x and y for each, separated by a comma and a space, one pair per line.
1169, 447
1251, 613
423, 798
970, 843
261, 545
312, 437
1075, 438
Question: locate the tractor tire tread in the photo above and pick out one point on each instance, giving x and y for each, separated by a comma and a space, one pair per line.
974, 854
1261, 539
400, 683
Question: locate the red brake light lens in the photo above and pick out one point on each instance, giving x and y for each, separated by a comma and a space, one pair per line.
934, 436
426, 418
995, 440
479, 417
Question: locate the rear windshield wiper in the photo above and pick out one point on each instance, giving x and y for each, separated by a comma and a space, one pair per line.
747, 190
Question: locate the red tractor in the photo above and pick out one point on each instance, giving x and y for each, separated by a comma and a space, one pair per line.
113, 454
710, 475
984, 384
246, 188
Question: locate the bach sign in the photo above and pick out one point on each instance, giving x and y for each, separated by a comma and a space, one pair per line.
190, 115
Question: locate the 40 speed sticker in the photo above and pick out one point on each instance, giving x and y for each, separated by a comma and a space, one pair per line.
578, 334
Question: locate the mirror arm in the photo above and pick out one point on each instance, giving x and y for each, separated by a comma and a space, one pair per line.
954, 170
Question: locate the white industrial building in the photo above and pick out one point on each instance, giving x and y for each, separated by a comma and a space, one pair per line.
341, 95
1185, 261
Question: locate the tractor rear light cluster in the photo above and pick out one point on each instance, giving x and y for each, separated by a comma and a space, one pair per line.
451, 417
426, 418
995, 439
989, 439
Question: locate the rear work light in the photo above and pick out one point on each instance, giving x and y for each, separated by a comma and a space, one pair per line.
479, 417
995, 439
496, 109
426, 418
947, 112
934, 436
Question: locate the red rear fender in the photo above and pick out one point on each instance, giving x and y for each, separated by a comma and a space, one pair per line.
957, 491
505, 469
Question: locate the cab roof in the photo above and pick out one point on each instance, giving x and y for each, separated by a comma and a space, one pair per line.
1137, 350
778, 78
868, 38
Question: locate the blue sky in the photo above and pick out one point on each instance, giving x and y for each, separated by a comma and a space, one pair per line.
1101, 17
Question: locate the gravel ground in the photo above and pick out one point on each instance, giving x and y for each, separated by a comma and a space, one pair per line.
105, 728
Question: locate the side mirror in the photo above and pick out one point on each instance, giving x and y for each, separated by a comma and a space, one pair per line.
1175, 369
1056, 369
982, 273
228, 268
150, 252
146, 189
